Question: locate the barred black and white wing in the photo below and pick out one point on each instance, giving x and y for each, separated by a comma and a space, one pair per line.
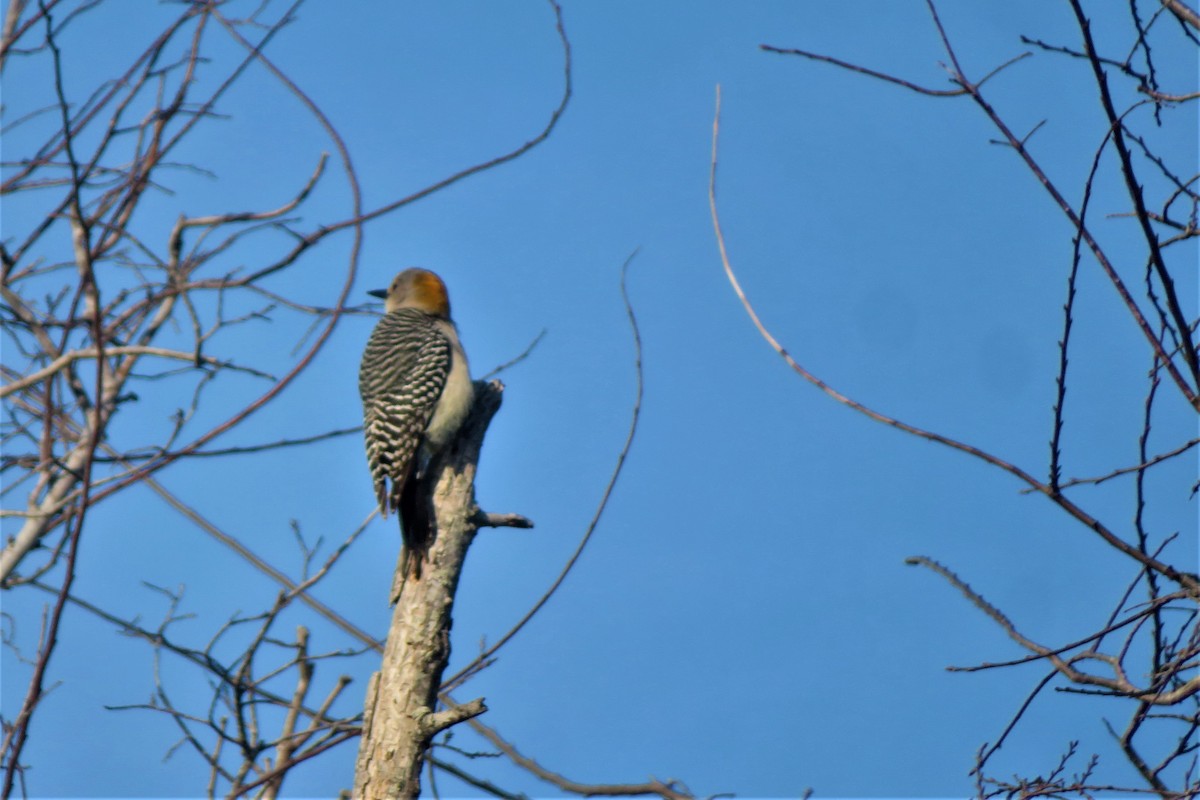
402, 375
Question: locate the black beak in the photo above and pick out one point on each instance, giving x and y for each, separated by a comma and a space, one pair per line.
380, 293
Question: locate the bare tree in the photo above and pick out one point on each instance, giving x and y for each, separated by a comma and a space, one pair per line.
102, 313
91, 308
1144, 659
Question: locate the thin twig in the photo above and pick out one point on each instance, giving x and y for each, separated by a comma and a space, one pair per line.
485, 657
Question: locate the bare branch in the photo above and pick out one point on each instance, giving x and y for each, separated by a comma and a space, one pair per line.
65, 359
864, 71
1134, 188
668, 790
485, 657
1184, 12
1119, 684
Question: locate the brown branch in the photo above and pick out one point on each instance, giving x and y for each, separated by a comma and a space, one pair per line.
516, 360
10, 34
1183, 11
788, 51
1119, 684
62, 361
883, 76
988, 751
129, 458
471, 780
1132, 619
287, 744
435, 722
259, 563
243, 789
215, 220
486, 519
1142, 467
668, 790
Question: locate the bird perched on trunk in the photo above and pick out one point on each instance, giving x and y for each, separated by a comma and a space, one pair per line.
416, 392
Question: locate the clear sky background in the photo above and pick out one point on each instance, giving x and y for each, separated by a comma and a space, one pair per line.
743, 619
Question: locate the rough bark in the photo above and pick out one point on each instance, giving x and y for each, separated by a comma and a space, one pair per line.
399, 718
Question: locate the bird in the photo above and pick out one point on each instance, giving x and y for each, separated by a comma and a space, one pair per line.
416, 392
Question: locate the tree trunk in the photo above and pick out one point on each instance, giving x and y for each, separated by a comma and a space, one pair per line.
399, 720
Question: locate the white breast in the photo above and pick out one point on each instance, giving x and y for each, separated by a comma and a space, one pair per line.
457, 396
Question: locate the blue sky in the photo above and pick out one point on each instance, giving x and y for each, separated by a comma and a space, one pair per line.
743, 619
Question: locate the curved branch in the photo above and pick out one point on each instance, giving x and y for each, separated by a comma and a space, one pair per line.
1188, 581
483, 658
667, 790
1119, 684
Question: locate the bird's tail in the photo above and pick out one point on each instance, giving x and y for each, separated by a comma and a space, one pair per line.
416, 531
416, 523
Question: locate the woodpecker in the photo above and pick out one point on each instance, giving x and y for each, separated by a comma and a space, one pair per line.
416, 392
